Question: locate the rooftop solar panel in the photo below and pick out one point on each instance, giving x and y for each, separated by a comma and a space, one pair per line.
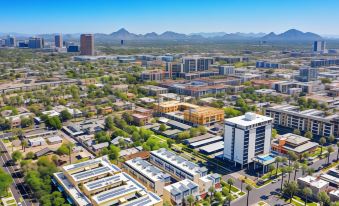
115, 192
88, 173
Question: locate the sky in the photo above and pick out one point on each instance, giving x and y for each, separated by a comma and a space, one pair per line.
183, 16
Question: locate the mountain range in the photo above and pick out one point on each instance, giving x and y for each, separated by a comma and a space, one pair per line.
123, 34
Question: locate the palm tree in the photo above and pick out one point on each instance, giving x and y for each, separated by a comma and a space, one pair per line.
291, 157
337, 150
242, 182
211, 190
329, 151
229, 199
289, 170
230, 181
283, 171
271, 168
190, 199
24, 144
323, 198
70, 146
277, 160
296, 167
322, 141
304, 168
290, 188
307, 192
284, 160
248, 188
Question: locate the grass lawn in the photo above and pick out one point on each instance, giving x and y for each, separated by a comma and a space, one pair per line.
334, 164
297, 201
5, 141
267, 175
261, 203
241, 193
10, 201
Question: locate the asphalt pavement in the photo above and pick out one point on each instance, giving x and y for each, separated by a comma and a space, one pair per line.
268, 193
21, 191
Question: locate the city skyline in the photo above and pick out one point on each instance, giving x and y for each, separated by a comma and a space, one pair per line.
178, 16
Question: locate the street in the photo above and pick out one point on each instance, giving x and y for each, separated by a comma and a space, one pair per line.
268, 192
21, 192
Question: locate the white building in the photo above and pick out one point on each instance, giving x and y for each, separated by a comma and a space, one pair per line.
177, 193
178, 166
247, 136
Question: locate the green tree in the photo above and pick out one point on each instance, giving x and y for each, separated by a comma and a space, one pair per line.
307, 192
322, 141
54, 122
324, 199
5, 182
278, 160
297, 132
190, 199
30, 155
24, 144
16, 156
274, 133
162, 127
248, 188
309, 135
296, 167
230, 181
65, 115
290, 188
271, 168
329, 151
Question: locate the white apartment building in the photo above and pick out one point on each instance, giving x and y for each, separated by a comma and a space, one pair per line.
177, 193
178, 166
247, 136
149, 175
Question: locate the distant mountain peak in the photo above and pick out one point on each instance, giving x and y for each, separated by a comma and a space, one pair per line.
291, 35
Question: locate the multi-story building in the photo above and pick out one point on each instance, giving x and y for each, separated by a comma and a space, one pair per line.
316, 185
246, 137
150, 176
97, 182
319, 46
36, 43
208, 181
287, 87
58, 41
177, 166
307, 74
10, 41
87, 44
226, 70
293, 143
267, 65
177, 193
288, 117
204, 115
324, 62
154, 75
231, 59
194, 114
194, 64
174, 69
154, 90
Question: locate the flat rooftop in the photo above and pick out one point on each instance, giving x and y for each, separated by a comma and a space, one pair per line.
147, 169
180, 162
248, 119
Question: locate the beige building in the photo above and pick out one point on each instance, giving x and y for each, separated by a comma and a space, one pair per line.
97, 182
150, 176
316, 185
